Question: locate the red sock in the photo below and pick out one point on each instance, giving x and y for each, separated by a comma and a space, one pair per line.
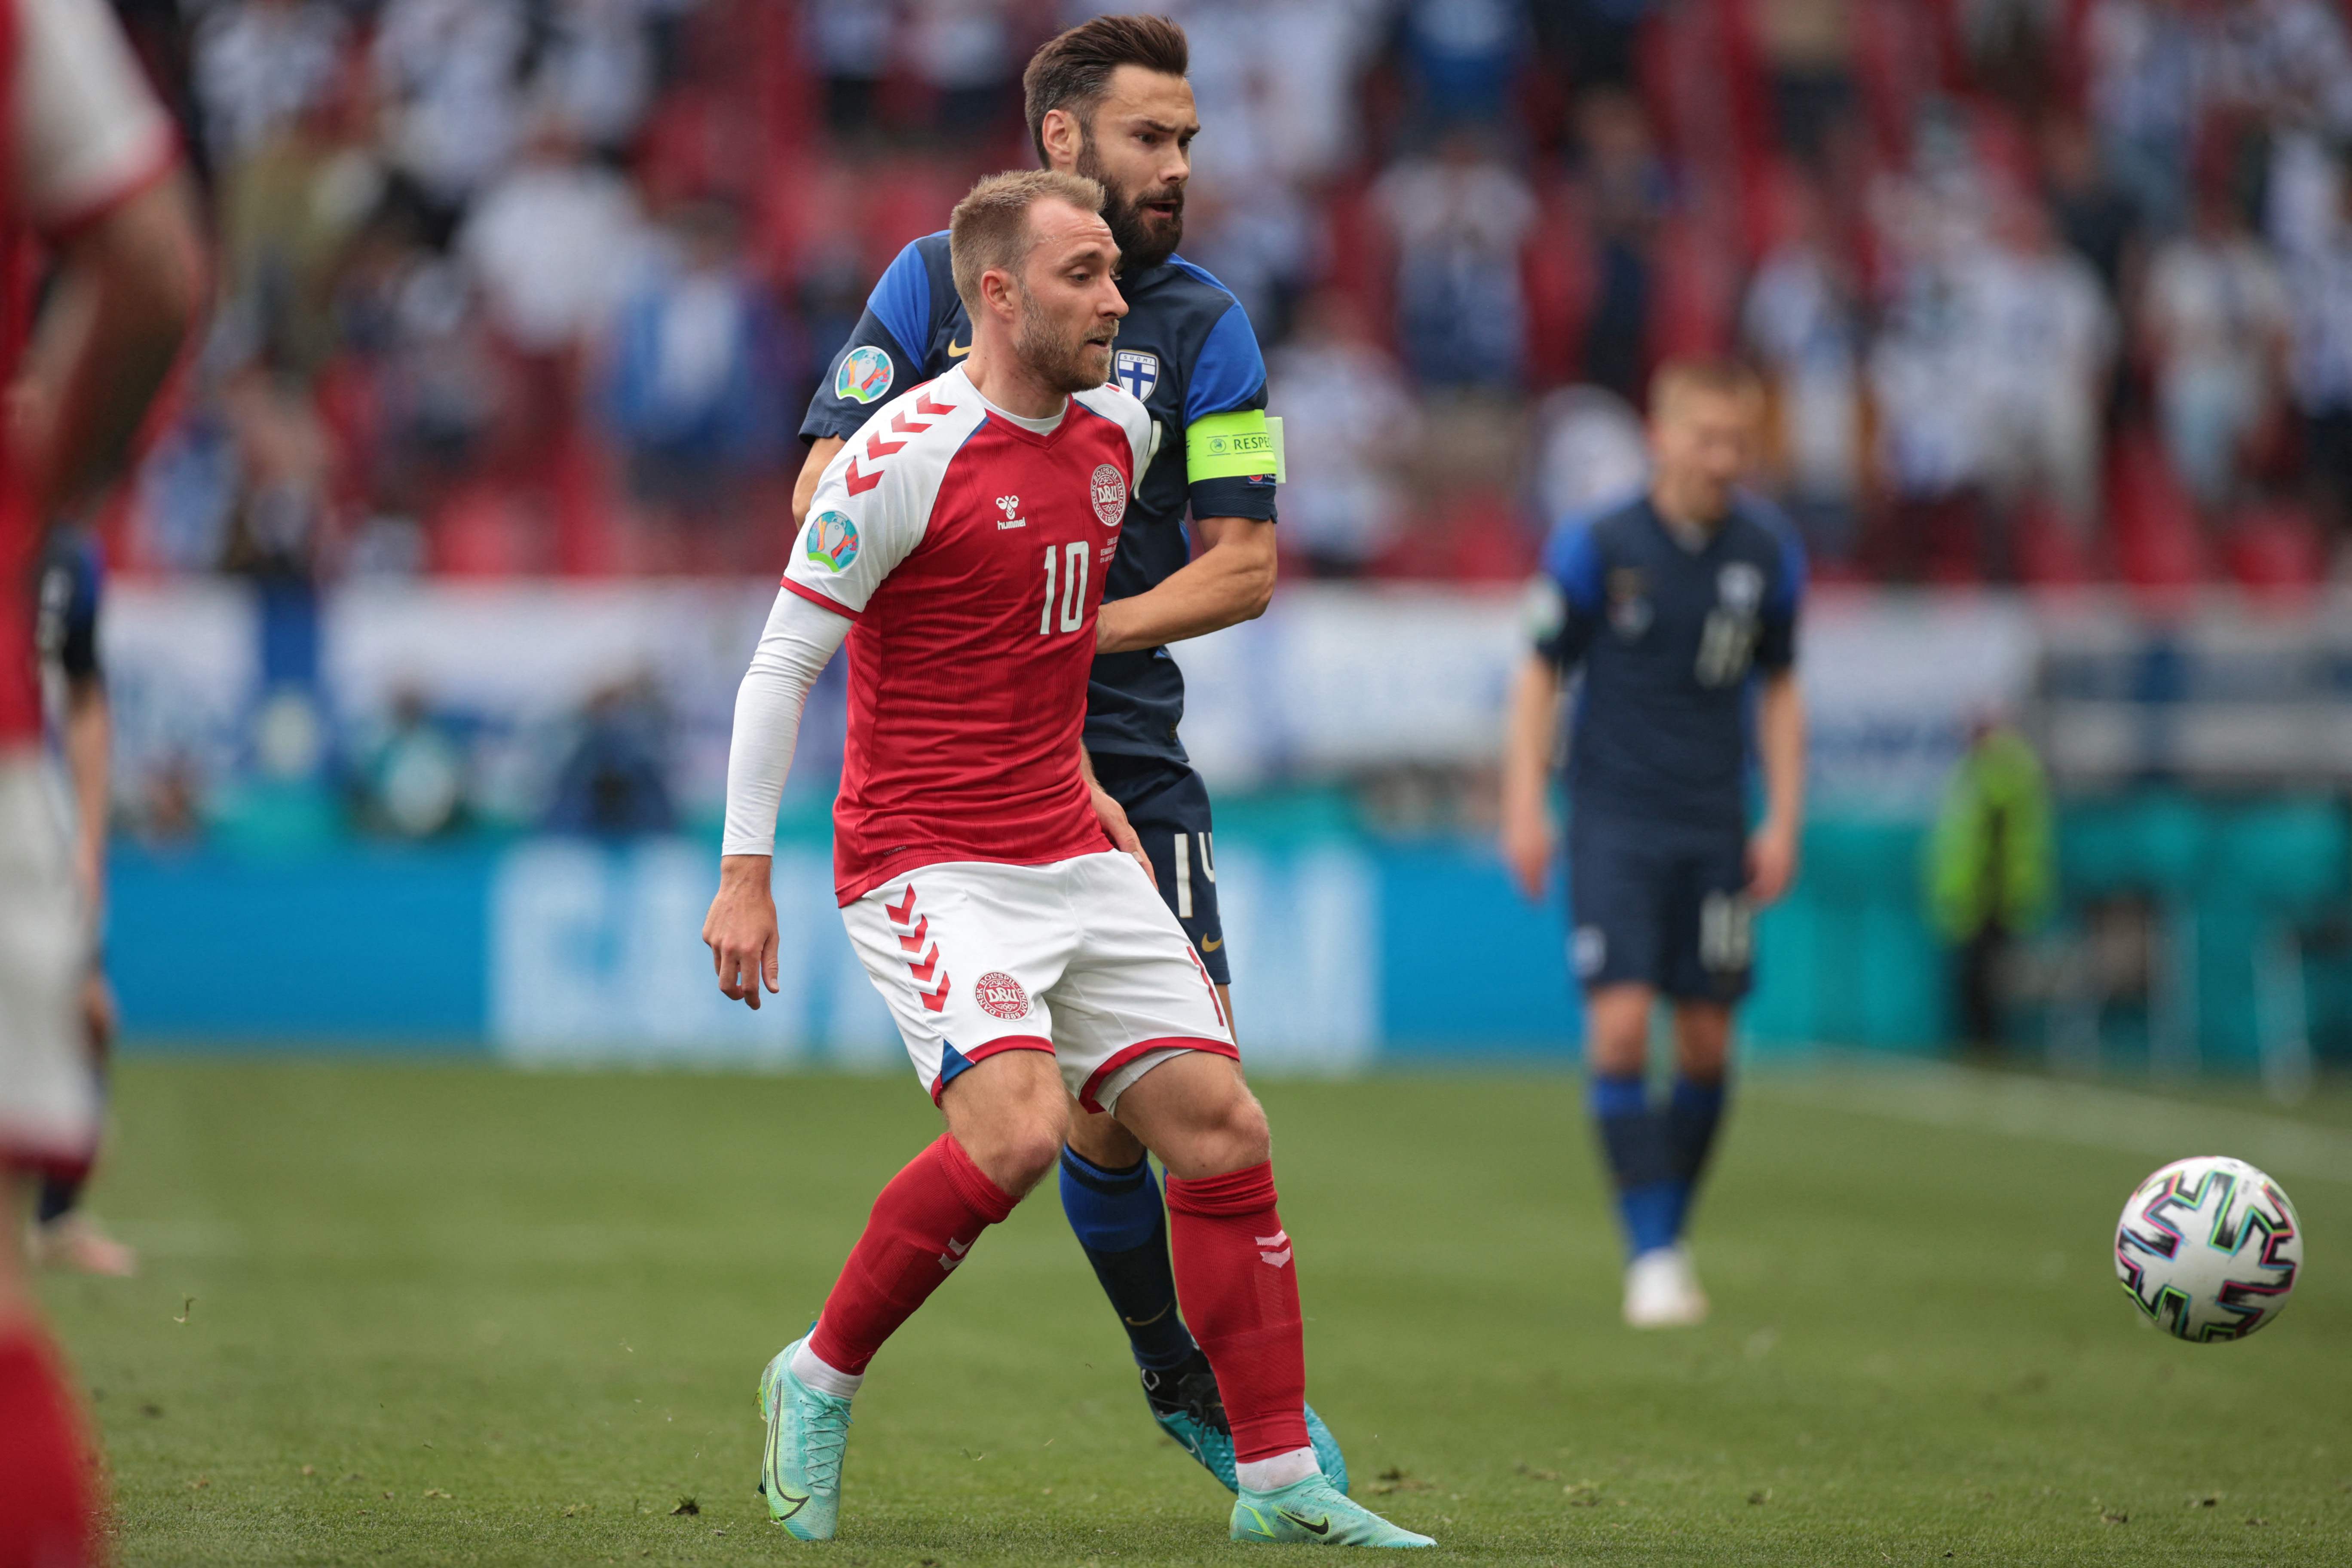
921, 1226
45, 1486
1240, 1293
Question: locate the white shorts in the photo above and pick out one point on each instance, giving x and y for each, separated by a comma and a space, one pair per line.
49, 1094
1080, 958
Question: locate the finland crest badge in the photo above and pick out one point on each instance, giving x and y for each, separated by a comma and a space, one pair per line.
1136, 372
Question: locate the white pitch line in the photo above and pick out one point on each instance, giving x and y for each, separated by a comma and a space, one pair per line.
2089, 1115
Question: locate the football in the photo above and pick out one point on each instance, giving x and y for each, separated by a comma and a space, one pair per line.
2208, 1248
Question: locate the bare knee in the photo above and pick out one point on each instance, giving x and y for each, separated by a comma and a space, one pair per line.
1702, 1040
1197, 1116
1019, 1146
1224, 1135
1010, 1118
1036, 1154
1617, 1029
1100, 1141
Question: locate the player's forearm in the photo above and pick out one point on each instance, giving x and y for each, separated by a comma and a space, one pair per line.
1230, 582
800, 638
1529, 734
89, 744
819, 454
1780, 738
133, 281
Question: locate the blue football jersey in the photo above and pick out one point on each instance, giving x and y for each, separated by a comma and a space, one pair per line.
1669, 634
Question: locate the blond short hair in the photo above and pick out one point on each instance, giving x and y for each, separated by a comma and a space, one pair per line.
1721, 377
990, 229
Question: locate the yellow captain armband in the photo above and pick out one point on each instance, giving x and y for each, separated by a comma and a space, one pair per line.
1242, 444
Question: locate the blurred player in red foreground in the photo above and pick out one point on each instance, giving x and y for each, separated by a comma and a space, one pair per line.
88, 169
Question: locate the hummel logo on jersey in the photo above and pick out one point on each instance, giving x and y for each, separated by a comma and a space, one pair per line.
947, 1263
1010, 505
1279, 1240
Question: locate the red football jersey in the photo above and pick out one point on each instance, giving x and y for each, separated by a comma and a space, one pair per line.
969, 548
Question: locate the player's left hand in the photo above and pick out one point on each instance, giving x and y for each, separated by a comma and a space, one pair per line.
1771, 863
1122, 834
741, 929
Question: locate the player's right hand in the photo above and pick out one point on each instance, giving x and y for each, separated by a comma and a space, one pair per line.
740, 928
1528, 845
1121, 832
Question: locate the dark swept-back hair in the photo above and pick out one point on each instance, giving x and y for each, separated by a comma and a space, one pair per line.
1072, 70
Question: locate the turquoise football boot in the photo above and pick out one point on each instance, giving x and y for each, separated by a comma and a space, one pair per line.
808, 1433
1315, 1513
1188, 1407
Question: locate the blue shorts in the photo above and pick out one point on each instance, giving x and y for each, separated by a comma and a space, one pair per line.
1168, 805
1660, 906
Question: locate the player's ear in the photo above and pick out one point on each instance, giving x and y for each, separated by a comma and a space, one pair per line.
996, 291
1063, 136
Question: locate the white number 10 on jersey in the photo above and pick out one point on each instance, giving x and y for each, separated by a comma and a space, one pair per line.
1074, 588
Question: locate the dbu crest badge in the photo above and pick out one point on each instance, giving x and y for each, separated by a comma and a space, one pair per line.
1136, 372
832, 541
1001, 997
1107, 492
864, 374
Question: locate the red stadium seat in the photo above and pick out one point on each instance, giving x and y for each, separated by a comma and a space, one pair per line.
2051, 552
2159, 547
2276, 550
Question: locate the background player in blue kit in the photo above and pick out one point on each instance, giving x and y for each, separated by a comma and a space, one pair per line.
1109, 99
1680, 606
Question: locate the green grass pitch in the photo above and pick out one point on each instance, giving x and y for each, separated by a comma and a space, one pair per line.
444, 1314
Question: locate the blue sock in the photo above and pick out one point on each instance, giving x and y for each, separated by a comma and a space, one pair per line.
1124, 1230
1693, 1112
1633, 1137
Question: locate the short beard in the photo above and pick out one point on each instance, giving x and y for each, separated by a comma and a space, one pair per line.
1060, 364
1138, 247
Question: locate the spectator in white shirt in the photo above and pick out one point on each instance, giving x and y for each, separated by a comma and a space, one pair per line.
2044, 339
2215, 315
262, 65
1801, 320
554, 244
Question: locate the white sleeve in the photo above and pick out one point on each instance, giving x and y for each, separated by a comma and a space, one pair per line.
792, 651
866, 518
88, 131
1142, 433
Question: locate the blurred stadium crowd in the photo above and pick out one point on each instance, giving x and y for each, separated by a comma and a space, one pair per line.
2049, 290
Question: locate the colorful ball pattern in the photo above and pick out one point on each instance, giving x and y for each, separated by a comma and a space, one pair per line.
2209, 1248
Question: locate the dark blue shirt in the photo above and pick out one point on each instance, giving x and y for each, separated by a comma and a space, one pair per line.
1185, 351
1669, 637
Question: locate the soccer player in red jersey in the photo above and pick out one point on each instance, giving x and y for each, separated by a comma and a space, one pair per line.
87, 168
957, 543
